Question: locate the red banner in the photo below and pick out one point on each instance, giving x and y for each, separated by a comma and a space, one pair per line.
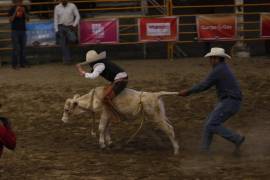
158, 29
265, 25
99, 31
216, 27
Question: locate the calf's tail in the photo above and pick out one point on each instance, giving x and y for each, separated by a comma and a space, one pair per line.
166, 93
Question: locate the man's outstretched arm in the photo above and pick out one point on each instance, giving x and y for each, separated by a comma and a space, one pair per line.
202, 86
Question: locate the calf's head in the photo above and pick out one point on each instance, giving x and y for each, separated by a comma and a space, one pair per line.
71, 107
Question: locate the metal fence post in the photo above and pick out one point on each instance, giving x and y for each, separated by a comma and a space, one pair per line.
170, 45
240, 48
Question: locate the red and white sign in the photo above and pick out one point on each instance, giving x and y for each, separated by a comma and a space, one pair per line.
158, 29
216, 27
99, 31
265, 25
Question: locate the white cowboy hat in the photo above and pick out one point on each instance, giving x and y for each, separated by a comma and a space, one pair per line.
93, 56
216, 51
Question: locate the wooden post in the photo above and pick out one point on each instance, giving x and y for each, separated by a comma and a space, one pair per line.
144, 11
170, 45
170, 50
144, 51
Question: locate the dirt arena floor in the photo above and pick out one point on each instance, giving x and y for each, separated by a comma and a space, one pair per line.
47, 149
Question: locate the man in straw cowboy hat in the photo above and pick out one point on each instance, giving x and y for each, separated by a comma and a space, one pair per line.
109, 71
229, 95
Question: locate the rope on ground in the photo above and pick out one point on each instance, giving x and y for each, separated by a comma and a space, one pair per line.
141, 111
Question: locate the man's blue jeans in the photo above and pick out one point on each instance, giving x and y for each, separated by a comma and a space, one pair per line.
66, 36
18, 43
222, 112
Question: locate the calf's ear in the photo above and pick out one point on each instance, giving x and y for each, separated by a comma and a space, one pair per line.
76, 96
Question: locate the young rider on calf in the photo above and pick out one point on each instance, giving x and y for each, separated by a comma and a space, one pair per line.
101, 66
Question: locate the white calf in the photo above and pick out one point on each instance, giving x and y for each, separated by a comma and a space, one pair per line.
128, 104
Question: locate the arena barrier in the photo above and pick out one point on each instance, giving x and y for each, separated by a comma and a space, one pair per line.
153, 22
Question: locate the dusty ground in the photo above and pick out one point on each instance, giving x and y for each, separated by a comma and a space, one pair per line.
48, 149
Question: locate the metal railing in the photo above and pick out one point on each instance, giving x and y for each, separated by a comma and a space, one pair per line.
251, 19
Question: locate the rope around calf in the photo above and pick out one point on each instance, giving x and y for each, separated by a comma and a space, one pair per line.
93, 114
141, 111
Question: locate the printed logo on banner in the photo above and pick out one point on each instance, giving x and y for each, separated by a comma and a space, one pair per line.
216, 27
98, 30
40, 33
158, 29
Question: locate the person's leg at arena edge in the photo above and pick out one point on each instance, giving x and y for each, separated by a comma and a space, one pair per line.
223, 111
64, 45
22, 42
71, 34
111, 92
16, 48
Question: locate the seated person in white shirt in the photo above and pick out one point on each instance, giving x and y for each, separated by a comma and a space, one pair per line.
66, 20
109, 71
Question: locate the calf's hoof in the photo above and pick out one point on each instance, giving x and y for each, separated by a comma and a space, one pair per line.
93, 134
102, 146
176, 150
